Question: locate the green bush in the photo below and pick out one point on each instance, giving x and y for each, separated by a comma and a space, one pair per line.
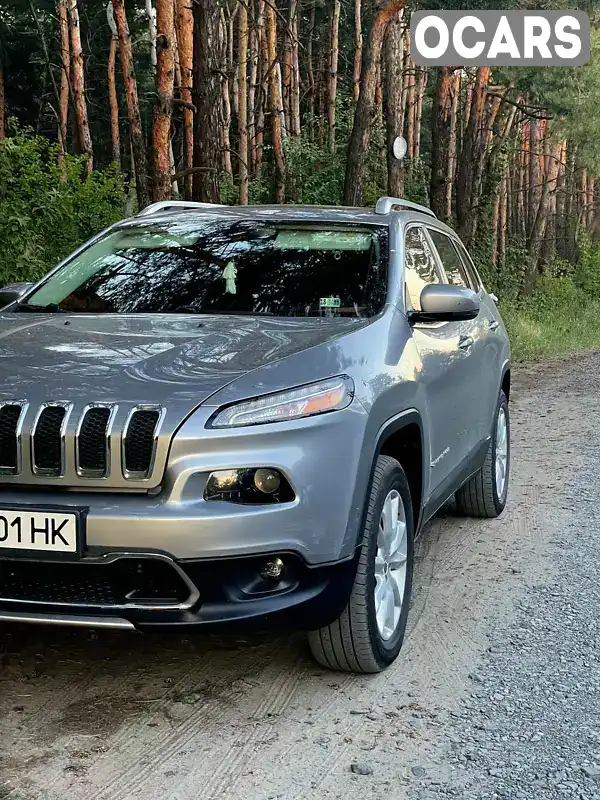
45, 213
587, 272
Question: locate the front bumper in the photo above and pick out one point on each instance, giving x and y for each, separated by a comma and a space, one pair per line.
150, 591
319, 456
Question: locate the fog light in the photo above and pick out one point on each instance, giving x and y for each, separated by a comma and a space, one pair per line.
225, 479
272, 569
267, 480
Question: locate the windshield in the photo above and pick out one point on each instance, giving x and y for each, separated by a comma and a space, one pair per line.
235, 267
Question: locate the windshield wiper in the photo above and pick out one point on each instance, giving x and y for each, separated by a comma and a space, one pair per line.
50, 308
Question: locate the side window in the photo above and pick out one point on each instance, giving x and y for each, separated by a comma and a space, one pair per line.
469, 266
454, 268
419, 265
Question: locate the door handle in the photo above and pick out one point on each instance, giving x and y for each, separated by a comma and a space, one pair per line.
466, 342
494, 325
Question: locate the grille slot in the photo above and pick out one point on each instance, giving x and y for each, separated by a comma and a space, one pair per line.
139, 442
92, 443
9, 423
48, 442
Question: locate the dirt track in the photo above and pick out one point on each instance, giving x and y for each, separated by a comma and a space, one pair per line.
111, 716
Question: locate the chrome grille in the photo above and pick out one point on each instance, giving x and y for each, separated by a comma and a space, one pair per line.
48, 441
138, 443
100, 445
92, 446
10, 413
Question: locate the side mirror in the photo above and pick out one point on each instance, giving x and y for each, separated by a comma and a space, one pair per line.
441, 302
13, 292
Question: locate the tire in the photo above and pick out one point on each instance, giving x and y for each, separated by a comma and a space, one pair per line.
354, 641
479, 497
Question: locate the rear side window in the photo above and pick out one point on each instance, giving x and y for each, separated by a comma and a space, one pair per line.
468, 264
419, 266
454, 268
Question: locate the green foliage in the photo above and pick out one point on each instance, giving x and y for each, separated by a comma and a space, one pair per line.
46, 214
587, 273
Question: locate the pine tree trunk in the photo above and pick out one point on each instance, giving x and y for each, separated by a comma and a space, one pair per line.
560, 203
185, 43
440, 143
469, 161
358, 147
65, 73
264, 87
538, 231
287, 69
378, 116
113, 103
452, 145
332, 76
254, 44
207, 98
393, 55
225, 116
358, 50
163, 108
133, 108
231, 65
2, 102
410, 128
422, 85
310, 72
524, 177
78, 78
275, 104
495, 226
502, 217
242, 103
590, 202
405, 80
296, 121
535, 174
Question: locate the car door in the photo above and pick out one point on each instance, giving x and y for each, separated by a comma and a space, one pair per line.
493, 342
445, 368
484, 377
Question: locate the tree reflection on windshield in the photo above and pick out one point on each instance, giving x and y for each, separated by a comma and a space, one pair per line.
246, 267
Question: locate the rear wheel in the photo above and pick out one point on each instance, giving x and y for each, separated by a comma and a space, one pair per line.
484, 495
368, 634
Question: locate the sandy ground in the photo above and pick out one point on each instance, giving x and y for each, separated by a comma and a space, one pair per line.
115, 716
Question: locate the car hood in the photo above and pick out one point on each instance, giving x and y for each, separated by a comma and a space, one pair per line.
166, 359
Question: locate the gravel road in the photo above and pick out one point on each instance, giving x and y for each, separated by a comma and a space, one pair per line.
496, 694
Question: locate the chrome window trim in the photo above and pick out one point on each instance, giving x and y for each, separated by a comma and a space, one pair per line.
138, 476
95, 473
42, 472
8, 469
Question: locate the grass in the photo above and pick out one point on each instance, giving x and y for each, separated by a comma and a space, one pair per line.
552, 329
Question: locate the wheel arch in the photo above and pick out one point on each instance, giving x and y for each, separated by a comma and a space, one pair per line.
402, 438
505, 385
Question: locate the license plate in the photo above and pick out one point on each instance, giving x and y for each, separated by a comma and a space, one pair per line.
39, 531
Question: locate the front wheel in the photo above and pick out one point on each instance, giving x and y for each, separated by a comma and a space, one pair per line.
368, 634
484, 495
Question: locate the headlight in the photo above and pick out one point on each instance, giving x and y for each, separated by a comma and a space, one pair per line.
332, 394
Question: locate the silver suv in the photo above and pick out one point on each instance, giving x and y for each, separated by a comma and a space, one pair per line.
232, 416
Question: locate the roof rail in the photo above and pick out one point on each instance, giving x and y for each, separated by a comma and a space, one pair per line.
386, 204
164, 205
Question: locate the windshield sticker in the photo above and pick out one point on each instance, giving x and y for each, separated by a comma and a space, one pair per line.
330, 302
